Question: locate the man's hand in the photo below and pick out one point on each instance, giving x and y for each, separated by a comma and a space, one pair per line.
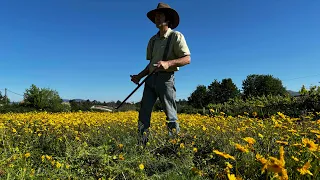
163, 65
135, 78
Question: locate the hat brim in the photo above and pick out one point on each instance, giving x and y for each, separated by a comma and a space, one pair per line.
169, 12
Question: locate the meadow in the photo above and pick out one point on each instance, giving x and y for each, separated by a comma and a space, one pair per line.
103, 145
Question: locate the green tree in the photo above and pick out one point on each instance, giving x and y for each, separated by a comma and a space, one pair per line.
303, 90
214, 92
42, 98
4, 99
222, 92
258, 85
198, 98
229, 90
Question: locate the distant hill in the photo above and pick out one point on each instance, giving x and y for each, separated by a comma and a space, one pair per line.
77, 100
293, 93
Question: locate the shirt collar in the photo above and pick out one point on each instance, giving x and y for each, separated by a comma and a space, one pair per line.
166, 35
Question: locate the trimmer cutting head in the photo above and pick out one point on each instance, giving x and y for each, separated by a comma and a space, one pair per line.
103, 108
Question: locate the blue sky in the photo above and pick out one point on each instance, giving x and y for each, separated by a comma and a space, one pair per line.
89, 48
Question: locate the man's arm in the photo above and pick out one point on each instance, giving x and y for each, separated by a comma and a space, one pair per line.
181, 49
144, 72
180, 61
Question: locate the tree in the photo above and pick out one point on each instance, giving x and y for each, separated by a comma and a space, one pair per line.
229, 90
42, 98
222, 92
214, 92
259, 85
4, 99
198, 98
303, 90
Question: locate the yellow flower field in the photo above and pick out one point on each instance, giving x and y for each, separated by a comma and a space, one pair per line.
103, 145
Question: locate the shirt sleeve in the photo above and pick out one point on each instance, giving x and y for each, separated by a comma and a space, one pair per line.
180, 46
149, 49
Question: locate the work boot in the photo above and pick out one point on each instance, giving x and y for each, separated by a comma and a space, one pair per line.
143, 139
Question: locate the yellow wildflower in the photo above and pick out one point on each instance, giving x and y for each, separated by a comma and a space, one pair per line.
249, 140
232, 177
294, 158
141, 166
225, 155
58, 165
121, 157
27, 155
204, 128
195, 150
282, 142
281, 115
48, 157
305, 169
315, 131
173, 141
309, 144
260, 135
229, 165
241, 148
254, 114
32, 172
273, 164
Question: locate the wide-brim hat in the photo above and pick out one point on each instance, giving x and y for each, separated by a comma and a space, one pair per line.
170, 14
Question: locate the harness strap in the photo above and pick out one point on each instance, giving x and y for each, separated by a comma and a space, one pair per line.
165, 53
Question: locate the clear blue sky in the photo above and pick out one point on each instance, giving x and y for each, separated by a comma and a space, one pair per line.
89, 48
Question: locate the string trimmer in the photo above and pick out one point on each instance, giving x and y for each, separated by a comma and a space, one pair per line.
111, 109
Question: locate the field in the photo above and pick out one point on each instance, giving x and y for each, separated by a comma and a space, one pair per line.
102, 145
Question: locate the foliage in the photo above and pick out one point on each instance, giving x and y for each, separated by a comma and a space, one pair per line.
259, 85
228, 90
214, 93
95, 145
265, 106
198, 98
16, 108
4, 99
217, 92
42, 99
303, 91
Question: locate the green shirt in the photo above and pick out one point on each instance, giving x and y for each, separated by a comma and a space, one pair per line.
177, 48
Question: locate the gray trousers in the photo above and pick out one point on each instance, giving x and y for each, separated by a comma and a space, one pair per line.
159, 85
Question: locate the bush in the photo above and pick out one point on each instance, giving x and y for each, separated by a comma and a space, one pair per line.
15, 108
265, 106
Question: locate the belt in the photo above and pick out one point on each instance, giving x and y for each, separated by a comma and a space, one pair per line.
164, 72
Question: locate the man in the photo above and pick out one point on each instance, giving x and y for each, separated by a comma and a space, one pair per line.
161, 83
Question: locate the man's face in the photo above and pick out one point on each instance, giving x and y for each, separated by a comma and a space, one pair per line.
160, 19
